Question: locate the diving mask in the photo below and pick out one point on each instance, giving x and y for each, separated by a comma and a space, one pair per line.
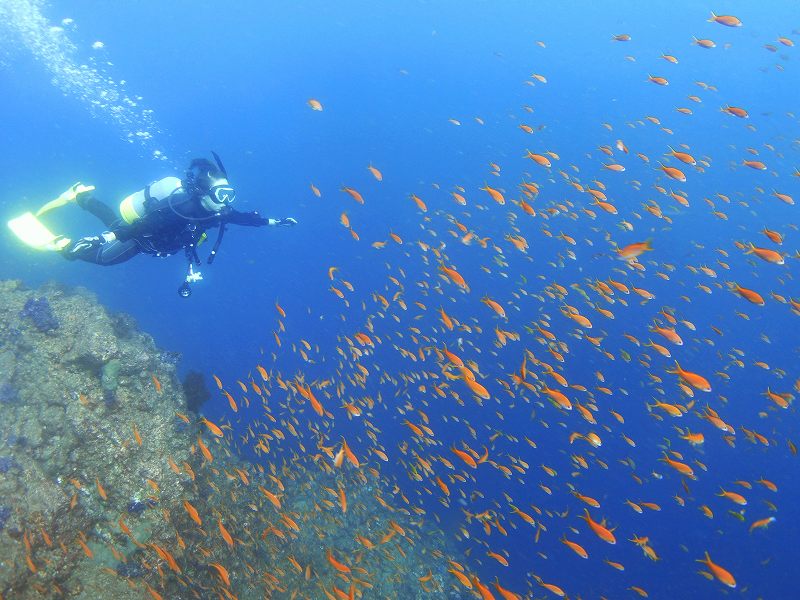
219, 196
222, 194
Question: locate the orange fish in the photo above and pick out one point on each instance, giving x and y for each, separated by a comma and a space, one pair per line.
755, 164
100, 489
727, 20
466, 457
735, 111
734, 497
225, 535
766, 254
599, 529
496, 307
723, 575
339, 566
751, 296
693, 379
495, 194
204, 450
575, 547
684, 157
538, 159
214, 429
680, 467
419, 202
454, 276
704, 43
222, 572
354, 194
774, 236
195, 516
761, 523
673, 173
632, 251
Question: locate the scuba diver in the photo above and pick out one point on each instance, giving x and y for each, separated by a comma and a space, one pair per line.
164, 218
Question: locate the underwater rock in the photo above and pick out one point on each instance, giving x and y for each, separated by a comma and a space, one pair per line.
61, 440
112, 486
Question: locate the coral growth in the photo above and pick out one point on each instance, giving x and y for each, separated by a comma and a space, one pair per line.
39, 312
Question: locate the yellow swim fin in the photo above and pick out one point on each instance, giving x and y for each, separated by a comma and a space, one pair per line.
33, 233
69, 195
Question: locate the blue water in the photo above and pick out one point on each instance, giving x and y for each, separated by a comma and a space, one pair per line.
389, 76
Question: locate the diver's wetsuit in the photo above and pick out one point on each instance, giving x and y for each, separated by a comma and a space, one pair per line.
170, 225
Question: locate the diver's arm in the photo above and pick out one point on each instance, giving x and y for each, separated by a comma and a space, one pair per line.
250, 219
253, 219
283, 221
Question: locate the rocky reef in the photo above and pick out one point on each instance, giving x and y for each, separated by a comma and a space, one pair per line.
111, 487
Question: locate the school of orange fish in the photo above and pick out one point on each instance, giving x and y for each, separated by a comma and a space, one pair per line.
534, 354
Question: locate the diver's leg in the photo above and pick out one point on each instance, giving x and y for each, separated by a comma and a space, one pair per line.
98, 209
94, 250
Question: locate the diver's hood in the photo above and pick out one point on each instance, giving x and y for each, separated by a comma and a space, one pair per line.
215, 193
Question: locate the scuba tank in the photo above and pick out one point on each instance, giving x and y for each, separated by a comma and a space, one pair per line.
135, 206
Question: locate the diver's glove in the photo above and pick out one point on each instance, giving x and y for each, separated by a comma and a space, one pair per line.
285, 221
71, 194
